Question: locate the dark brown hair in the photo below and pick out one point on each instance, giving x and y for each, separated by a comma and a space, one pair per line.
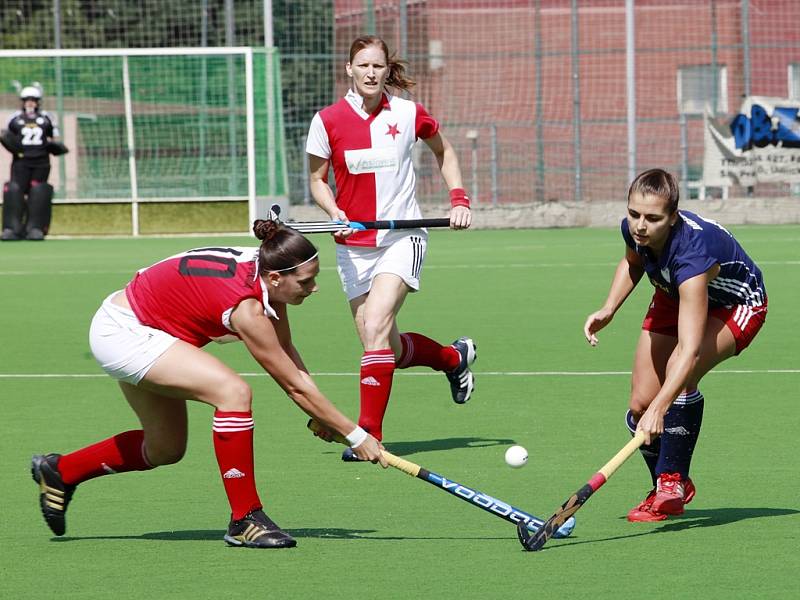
659, 183
282, 248
397, 77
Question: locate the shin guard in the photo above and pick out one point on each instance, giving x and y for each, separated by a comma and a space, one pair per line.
40, 208
13, 210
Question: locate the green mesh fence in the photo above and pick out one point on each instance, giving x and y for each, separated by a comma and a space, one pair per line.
187, 114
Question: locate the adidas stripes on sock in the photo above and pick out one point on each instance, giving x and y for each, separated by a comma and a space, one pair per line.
118, 454
377, 372
650, 451
233, 445
422, 351
682, 424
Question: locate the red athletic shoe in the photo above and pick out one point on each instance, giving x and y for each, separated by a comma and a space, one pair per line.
644, 512
689, 490
669, 487
672, 492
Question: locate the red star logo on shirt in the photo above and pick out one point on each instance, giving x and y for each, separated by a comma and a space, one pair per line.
393, 130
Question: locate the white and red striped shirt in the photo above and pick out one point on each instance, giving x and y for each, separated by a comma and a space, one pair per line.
371, 158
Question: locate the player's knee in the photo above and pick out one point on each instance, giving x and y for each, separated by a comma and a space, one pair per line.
40, 190
164, 452
376, 331
235, 396
12, 187
691, 385
13, 192
638, 404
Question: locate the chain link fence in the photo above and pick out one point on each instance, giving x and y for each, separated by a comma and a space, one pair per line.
544, 100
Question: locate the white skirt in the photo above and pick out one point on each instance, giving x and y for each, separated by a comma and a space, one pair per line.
122, 346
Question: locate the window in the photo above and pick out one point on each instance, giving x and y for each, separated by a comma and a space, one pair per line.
435, 55
696, 89
794, 81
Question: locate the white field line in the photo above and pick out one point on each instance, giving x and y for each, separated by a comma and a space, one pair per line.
569, 265
430, 374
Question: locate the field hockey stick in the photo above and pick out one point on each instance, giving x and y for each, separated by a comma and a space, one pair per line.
535, 541
474, 497
332, 226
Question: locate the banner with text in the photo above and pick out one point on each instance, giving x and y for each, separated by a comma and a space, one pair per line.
760, 144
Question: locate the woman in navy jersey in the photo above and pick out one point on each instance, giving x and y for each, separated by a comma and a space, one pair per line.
149, 337
367, 138
709, 303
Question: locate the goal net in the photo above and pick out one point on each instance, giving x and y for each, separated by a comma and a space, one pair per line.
160, 125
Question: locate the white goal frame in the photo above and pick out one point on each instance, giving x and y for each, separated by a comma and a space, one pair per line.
134, 201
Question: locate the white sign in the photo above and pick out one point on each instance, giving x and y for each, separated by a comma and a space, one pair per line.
760, 144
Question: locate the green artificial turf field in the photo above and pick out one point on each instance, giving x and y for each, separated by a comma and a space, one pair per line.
367, 533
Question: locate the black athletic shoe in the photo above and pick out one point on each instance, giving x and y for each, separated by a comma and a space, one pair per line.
462, 381
257, 530
54, 494
34, 234
9, 235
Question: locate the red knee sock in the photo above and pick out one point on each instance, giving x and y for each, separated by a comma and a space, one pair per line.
377, 370
233, 445
419, 350
118, 454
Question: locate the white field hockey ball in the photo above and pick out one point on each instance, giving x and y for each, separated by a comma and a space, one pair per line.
516, 457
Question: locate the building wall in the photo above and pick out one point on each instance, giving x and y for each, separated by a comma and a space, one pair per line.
488, 76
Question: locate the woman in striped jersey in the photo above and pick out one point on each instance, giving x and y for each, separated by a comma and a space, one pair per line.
709, 304
367, 138
149, 338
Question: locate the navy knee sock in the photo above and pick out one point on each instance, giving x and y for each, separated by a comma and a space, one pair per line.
681, 428
649, 452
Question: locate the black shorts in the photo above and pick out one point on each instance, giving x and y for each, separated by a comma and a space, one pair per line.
24, 173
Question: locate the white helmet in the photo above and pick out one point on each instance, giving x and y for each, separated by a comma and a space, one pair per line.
30, 91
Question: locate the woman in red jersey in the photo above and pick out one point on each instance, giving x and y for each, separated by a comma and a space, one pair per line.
149, 338
367, 137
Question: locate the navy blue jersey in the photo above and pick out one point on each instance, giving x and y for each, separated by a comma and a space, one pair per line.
695, 245
35, 131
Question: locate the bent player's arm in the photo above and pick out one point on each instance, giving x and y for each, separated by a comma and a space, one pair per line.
446, 159
628, 274
692, 318
318, 183
259, 334
284, 331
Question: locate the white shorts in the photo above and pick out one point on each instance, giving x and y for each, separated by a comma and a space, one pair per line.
122, 346
358, 266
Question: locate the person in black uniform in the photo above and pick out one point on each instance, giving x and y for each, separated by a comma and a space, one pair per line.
31, 136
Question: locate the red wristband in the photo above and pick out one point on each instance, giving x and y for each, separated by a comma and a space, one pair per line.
458, 197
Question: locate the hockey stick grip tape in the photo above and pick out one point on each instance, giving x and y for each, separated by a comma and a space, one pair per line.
401, 464
620, 457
